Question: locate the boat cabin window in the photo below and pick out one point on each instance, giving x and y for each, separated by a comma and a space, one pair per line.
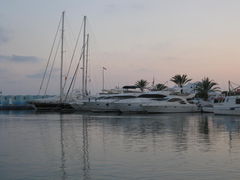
123, 97
160, 99
238, 101
190, 101
175, 100
115, 97
151, 96
182, 102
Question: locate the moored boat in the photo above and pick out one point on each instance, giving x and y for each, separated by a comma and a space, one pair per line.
135, 105
102, 103
230, 106
172, 104
50, 104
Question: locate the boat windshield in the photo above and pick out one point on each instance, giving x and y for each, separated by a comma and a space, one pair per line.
160, 99
190, 101
115, 97
177, 100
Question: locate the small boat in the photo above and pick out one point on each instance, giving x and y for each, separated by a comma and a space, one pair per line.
230, 106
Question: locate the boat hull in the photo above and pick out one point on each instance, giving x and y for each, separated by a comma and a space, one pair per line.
170, 109
207, 109
47, 106
227, 111
95, 107
130, 107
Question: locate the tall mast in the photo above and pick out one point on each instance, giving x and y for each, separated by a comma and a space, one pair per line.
83, 70
103, 80
229, 86
86, 75
61, 71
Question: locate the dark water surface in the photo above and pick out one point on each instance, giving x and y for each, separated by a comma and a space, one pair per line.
119, 147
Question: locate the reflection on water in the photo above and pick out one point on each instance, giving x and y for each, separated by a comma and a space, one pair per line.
62, 149
96, 146
84, 149
86, 165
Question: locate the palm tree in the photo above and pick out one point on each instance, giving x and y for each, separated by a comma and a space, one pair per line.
204, 87
142, 84
180, 80
160, 87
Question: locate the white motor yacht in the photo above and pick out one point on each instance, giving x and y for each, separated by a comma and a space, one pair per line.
102, 103
171, 104
230, 106
135, 105
105, 101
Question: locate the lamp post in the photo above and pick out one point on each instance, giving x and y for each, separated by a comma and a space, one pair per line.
103, 69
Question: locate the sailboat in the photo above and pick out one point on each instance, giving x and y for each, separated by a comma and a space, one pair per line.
61, 102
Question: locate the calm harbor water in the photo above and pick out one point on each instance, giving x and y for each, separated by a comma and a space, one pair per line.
103, 147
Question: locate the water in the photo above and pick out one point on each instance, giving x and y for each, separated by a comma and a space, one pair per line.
103, 147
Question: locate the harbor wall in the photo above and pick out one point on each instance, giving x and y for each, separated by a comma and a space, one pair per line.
19, 102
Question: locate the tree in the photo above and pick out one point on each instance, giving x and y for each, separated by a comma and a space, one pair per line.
204, 87
160, 87
142, 84
180, 80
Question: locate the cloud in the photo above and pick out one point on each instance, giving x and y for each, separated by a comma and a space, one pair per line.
17, 58
144, 70
119, 6
35, 75
137, 6
39, 75
3, 73
4, 37
171, 58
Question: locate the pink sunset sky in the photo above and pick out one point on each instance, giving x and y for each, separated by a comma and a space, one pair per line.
133, 39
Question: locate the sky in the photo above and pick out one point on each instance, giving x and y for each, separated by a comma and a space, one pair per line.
133, 39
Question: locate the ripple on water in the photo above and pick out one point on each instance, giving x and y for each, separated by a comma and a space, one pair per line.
96, 146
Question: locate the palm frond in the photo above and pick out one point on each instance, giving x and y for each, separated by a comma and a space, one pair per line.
206, 86
180, 80
142, 84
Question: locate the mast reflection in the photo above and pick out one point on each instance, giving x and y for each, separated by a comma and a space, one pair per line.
86, 164
62, 167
